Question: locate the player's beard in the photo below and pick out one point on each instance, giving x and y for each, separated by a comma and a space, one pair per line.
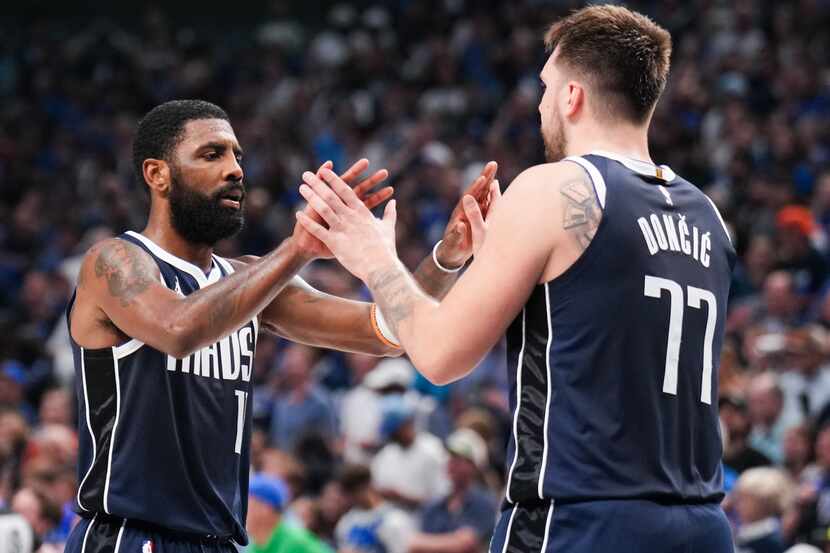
555, 141
202, 219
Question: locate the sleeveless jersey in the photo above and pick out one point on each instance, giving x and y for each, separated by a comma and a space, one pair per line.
166, 440
614, 364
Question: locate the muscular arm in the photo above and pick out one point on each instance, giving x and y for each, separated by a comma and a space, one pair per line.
523, 247
120, 287
303, 314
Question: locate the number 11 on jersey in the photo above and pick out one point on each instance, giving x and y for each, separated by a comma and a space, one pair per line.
695, 297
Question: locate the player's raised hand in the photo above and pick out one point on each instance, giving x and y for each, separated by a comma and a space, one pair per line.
358, 240
363, 190
477, 219
466, 228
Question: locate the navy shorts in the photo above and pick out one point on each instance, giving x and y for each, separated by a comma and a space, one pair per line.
614, 526
114, 535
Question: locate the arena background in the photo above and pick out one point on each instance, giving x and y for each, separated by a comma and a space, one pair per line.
430, 90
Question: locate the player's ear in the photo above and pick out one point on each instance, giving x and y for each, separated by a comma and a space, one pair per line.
157, 175
575, 99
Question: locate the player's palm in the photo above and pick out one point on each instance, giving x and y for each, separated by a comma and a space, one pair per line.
465, 230
314, 247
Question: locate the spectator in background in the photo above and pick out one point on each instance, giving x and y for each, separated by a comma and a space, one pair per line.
769, 420
16, 534
268, 531
371, 525
752, 270
360, 412
461, 522
798, 453
806, 379
56, 408
42, 514
12, 389
739, 455
796, 253
411, 468
301, 407
14, 433
761, 497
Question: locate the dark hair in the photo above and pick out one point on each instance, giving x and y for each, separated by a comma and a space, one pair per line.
160, 130
354, 478
624, 54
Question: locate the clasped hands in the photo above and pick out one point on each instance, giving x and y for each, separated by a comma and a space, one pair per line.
339, 218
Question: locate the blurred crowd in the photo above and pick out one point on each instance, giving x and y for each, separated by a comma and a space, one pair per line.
358, 454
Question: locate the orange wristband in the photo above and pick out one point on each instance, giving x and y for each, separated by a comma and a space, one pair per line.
373, 316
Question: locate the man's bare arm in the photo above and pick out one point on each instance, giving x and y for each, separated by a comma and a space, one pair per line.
122, 281
303, 314
524, 246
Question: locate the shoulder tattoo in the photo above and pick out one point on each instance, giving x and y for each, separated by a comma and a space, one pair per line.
127, 271
581, 213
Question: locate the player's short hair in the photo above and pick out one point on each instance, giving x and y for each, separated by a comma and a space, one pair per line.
623, 54
161, 129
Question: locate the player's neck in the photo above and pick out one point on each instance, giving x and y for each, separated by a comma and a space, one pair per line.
631, 142
168, 239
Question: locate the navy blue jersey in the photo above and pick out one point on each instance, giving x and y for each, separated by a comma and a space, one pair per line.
614, 364
166, 440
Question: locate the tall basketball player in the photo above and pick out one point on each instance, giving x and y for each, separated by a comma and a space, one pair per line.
164, 333
609, 274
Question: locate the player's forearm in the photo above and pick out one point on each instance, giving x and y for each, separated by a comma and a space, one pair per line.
435, 282
213, 312
352, 334
308, 316
416, 320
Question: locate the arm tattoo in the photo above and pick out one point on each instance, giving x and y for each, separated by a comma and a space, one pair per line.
125, 269
580, 212
394, 295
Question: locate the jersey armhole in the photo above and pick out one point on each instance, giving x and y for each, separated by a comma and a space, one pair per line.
717, 213
596, 177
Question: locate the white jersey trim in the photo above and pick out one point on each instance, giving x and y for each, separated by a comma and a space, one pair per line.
596, 177
509, 527
114, 429
120, 533
638, 166
717, 212
549, 378
225, 264
518, 408
86, 534
178, 262
547, 528
91, 434
127, 348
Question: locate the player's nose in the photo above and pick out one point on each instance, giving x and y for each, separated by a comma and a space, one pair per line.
233, 171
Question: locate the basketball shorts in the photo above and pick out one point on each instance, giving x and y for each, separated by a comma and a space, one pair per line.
613, 526
115, 535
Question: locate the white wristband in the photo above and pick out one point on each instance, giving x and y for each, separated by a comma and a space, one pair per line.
382, 328
437, 264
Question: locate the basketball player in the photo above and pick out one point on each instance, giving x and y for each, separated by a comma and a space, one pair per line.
164, 333
609, 275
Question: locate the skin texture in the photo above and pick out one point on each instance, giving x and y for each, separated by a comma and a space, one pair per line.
120, 295
546, 220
